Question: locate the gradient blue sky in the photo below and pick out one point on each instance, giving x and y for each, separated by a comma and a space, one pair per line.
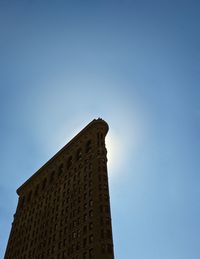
137, 65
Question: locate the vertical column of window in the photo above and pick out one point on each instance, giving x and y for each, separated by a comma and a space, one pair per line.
105, 220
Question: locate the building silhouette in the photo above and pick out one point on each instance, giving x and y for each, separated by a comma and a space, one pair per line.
63, 209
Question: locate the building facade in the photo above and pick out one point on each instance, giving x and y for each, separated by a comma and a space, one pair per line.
63, 210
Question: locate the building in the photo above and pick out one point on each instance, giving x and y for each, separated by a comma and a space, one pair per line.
63, 209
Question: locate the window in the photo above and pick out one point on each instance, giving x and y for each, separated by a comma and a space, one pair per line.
74, 235
60, 170
88, 146
84, 229
107, 221
91, 213
77, 246
44, 183
22, 201
84, 242
85, 217
98, 138
91, 225
91, 253
36, 190
103, 248
91, 238
29, 196
91, 203
52, 177
108, 233
109, 248
79, 154
69, 162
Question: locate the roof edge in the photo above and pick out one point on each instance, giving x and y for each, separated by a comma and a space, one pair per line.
99, 120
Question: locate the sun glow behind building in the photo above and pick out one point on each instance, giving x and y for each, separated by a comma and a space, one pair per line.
133, 63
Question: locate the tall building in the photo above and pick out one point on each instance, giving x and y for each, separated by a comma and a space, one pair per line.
63, 210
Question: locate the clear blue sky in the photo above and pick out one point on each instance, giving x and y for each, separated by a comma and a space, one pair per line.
137, 65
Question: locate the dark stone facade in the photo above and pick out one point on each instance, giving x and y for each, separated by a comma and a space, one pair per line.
64, 209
